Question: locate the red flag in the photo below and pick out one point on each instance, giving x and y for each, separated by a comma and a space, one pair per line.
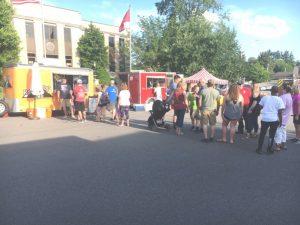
126, 19
18, 2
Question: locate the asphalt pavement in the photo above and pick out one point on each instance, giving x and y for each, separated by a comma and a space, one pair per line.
61, 172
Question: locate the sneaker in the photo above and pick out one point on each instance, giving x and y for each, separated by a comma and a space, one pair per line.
294, 139
283, 146
277, 147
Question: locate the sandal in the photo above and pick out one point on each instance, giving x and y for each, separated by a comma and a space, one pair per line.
221, 141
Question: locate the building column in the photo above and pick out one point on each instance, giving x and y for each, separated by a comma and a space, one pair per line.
76, 33
20, 27
39, 41
61, 44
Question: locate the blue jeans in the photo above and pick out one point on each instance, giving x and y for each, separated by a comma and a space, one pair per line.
180, 117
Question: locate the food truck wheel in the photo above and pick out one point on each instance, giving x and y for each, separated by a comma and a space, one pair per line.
3, 108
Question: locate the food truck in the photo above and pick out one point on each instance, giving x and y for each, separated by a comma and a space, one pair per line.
18, 84
141, 84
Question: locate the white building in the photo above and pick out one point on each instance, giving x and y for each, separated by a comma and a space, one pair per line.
53, 33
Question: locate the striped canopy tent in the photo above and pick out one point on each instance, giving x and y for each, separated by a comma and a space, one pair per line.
205, 75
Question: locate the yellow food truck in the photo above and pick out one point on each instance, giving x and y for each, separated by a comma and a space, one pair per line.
18, 84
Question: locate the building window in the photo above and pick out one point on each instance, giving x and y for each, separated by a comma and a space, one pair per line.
122, 55
68, 61
152, 82
68, 46
112, 57
30, 41
51, 43
31, 58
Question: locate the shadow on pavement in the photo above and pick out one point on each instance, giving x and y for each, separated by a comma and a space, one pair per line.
145, 178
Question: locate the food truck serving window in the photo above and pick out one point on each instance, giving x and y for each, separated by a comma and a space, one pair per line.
152, 81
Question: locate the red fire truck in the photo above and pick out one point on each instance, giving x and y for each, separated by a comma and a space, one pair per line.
141, 84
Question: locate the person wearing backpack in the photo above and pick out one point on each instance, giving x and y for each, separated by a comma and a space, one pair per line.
103, 101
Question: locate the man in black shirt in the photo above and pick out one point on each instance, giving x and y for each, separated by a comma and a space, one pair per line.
65, 95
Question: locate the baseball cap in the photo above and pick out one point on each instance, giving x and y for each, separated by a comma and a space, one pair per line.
79, 81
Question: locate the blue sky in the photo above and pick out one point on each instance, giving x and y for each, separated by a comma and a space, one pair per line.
260, 24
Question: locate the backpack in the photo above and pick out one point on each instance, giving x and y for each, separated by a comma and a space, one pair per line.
104, 100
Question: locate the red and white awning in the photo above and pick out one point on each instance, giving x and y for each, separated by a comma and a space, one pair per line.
203, 74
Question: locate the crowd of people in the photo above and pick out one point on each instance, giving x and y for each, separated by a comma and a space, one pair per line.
239, 109
108, 98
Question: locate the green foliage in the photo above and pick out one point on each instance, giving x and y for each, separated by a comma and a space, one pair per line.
93, 52
9, 39
148, 46
182, 40
277, 61
185, 9
282, 66
257, 73
103, 75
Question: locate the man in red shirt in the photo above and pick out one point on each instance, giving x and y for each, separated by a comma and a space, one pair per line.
80, 93
246, 93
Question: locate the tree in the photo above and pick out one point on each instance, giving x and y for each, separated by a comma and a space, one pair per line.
257, 73
282, 66
185, 9
277, 61
149, 45
93, 53
266, 60
183, 40
9, 39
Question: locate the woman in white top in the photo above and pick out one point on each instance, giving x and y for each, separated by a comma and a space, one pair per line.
157, 92
123, 104
271, 117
